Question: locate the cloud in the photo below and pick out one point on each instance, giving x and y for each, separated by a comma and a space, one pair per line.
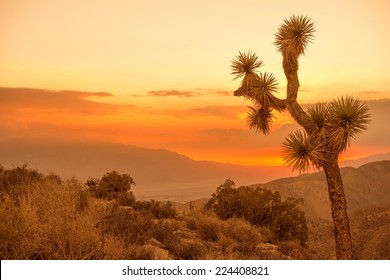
369, 94
243, 138
173, 92
226, 132
136, 95
227, 112
99, 94
220, 111
197, 92
65, 101
223, 92
214, 110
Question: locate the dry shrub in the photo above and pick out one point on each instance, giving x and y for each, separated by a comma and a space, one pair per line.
168, 232
48, 223
294, 250
47, 218
242, 231
208, 226
136, 252
225, 246
14, 181
18, 230
126, 199
193, 250
244, 237
164, 231
67, 227
159, 209
129, 225
113, 248
229, 239
53, 221
212, 228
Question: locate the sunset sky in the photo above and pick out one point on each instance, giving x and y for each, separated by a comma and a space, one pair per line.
157, 73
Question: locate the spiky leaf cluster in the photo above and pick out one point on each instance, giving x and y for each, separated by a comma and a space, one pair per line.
336, 124
318, 115
291, 40
295, 34
260, 119
263, 91
257, 87
244, 67
300, 152
347, 118
339, 122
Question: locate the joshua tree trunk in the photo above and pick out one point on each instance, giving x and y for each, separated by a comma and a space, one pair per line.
338, 205
337, 199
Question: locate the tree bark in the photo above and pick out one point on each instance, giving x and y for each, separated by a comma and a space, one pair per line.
292, 105
338, 206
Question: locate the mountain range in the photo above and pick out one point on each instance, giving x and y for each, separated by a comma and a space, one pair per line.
166, 175
158, 173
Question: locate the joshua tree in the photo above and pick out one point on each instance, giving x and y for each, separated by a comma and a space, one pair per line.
325, 130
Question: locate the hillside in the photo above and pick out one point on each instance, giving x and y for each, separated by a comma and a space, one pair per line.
188, 234
365, 186
44, 217
370, 229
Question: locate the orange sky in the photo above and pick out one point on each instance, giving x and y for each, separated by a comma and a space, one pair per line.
162, 70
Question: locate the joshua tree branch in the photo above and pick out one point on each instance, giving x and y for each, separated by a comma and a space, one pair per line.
276, 103
292, 105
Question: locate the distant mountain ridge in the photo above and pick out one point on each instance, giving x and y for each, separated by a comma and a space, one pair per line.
166, 175
159, 173
365, 186
362, 161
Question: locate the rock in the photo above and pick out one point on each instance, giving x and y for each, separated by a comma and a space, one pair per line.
155, 243
159, 253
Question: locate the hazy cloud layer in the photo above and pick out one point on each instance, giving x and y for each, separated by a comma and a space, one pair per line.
198, 92
66, 101
214, 111
164, 93
224, 132
215, 91
223, 92
237, 137
372, 94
